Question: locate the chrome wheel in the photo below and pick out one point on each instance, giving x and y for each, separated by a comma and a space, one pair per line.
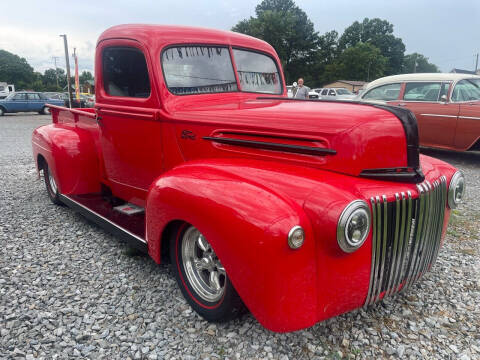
203, 269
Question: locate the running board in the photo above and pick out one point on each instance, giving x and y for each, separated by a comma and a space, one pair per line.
130, 228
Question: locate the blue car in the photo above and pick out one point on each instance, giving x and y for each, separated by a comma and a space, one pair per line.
27, 101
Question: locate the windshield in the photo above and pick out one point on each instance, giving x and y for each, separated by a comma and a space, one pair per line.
257, 72
343, 92
467, 90
198, 69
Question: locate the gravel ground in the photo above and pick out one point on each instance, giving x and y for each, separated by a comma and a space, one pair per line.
68, 289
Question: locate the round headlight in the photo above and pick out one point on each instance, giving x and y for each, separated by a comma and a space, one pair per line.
353, 226
456, 190
296, 237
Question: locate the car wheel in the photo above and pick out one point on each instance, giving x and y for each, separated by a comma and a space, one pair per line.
202, 277
46, 110
2, 112
51, 185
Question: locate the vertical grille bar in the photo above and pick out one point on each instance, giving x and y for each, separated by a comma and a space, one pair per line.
371, 287
394, 248
441, 205
401, 244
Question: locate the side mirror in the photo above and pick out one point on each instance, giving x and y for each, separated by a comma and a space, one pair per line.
443, 98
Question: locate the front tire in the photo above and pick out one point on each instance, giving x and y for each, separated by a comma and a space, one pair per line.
201, 276
51, 185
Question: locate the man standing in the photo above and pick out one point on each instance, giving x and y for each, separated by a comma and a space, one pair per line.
302, 91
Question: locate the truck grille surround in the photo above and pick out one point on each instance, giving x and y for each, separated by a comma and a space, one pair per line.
406, 238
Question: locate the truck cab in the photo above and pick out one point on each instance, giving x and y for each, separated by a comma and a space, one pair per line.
296, 210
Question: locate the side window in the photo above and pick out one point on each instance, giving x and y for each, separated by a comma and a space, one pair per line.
332, 92
33, 97
467, 90
198, 69
325, 92
385, 92
424, 91
444, 89
125, 72
20, 96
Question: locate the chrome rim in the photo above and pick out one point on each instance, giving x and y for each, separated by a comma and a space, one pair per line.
205, 273
52, 183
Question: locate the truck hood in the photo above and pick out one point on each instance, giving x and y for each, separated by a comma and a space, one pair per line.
358, 139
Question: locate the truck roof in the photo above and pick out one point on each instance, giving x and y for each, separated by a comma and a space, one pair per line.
173, 34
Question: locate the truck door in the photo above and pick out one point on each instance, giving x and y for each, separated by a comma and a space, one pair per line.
126, 110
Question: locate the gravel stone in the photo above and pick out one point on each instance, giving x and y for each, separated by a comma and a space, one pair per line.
68, 289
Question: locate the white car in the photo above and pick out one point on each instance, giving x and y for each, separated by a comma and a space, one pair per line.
336, 94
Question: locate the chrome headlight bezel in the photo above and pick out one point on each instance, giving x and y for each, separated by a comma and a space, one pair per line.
453, 201
356, 207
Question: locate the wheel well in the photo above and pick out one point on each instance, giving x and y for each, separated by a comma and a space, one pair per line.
167, 233
41, 162
475, 146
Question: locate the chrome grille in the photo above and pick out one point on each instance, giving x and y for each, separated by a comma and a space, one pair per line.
406, 237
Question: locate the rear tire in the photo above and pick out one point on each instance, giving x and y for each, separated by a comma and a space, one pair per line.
51, 185
46, 110
201, 277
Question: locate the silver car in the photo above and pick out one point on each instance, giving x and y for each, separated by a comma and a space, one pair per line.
336, 94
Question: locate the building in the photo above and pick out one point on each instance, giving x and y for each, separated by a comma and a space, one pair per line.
351, 85
461, 71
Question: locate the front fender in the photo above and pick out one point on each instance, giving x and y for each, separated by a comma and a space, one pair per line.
71, 156
247, 225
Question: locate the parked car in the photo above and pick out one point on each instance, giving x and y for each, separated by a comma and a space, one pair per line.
313, 95
27, 101
447, 106
336, 94
299, 210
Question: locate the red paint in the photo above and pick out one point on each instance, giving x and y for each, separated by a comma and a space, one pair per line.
244, 200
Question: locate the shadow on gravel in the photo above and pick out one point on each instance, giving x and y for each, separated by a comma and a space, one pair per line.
466, 157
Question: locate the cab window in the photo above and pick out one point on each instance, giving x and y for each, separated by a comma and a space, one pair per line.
422, 91
385, 92
125, 72
20, 96
33, 97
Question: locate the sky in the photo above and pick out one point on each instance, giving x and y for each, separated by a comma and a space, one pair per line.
444, 31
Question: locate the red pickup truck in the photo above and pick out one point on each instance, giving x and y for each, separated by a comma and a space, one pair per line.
299, 210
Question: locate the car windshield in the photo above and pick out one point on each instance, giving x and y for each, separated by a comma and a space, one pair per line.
257, 72
343, 92
467, 90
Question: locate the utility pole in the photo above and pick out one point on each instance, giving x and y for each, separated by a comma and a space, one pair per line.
56, 69
77, 86
476, 64
68, 70
415, 64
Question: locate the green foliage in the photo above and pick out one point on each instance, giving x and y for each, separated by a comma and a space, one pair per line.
362, 61
287, 28
15, 70
379, 33
417, 63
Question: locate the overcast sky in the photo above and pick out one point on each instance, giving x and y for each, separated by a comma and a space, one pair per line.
445, 31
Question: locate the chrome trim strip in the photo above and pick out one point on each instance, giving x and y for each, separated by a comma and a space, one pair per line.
104, 218
470, 117
378, 247
439, 115
384, 244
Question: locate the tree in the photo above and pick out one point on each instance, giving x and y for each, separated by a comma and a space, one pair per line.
15, 70
85, 76
379, 33
417, 63
287, 28
362, 61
